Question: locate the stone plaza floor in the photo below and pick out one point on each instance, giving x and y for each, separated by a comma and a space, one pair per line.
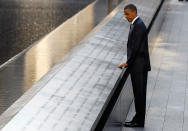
167, 96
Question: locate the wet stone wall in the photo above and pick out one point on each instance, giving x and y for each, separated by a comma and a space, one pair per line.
23, 22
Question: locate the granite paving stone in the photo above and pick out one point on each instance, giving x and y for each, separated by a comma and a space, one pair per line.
167, 103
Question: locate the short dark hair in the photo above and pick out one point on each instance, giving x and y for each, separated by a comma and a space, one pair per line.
131, 7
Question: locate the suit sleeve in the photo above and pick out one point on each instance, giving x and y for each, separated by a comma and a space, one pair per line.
137, 38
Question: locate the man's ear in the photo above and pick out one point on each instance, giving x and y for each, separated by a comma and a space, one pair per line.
135, 12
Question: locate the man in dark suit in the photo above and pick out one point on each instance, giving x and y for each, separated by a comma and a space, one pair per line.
138, 63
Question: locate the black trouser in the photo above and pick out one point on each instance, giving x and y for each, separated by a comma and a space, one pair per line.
139, 83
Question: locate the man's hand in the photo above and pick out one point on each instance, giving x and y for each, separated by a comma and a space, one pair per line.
123, 65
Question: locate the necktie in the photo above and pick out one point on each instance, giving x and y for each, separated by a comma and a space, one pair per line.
131, 26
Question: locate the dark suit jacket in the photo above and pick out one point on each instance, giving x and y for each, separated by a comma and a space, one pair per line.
137, 48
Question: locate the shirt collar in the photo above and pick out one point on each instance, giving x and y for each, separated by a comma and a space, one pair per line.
134, 19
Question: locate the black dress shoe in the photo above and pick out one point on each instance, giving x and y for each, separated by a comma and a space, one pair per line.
133, 124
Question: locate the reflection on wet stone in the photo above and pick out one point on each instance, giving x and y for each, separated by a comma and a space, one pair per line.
23, 22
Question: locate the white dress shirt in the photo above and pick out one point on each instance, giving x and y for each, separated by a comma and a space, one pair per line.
134, 20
